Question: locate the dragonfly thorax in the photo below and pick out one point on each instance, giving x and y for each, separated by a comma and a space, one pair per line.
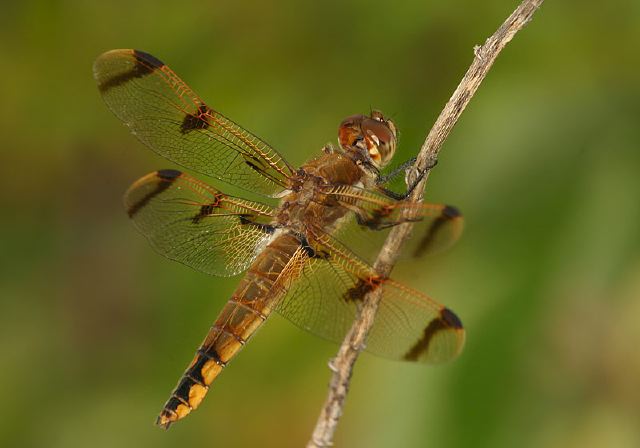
308, 205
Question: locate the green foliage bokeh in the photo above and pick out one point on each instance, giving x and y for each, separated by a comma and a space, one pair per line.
95, 328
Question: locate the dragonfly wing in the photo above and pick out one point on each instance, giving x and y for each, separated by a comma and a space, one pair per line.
436, 226
409, 325
191, 222
166, 115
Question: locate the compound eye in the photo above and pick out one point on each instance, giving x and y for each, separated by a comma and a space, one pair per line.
349, 132
381, 141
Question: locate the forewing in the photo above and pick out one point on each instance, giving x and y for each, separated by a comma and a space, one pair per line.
409, 325
436, 226
166, 115
191, 222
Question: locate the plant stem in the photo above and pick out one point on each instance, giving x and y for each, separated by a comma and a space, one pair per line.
342, 365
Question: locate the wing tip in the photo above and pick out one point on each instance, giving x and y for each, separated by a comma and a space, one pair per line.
105, 57
442, 340
114, 68
140, 55
451, 212
161, 180
143, 56
168, 174
451, 319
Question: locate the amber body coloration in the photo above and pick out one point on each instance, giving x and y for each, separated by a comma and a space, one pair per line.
305, 209
293, 254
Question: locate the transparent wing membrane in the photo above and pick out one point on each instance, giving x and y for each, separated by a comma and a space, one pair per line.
436, 226
191, 222
409, 325
294, 256
166, 115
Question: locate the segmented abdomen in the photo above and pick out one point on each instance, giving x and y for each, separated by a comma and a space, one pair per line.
248, 308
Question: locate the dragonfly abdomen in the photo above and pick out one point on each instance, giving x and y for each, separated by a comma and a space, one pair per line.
242, 315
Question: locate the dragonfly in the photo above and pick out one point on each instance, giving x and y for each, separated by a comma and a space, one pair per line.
305, 254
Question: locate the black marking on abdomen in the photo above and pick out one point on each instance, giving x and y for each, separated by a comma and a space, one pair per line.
182, 390
197, 120
195, 371
448, 213
310, 250
167, 177
145, 64
211, 354
447, 320
172, 404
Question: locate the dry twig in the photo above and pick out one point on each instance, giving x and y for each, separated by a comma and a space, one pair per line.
342, 365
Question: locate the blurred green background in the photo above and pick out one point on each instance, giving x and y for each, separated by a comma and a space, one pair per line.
95, 328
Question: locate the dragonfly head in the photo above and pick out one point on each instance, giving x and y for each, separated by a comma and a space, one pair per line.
371, 138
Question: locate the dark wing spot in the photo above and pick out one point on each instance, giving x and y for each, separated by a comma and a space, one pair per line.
261, 167
145, 64
448, 213
451, 212
167, 177
450, 318
362, 288
246, 220
151, 60
255, 163
207, 210
168, 174
253, 166
197, 120
447, 320
375, 221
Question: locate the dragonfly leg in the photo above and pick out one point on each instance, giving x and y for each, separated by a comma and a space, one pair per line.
400, 169
404, 167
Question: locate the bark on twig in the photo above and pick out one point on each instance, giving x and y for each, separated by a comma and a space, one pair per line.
342, 365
